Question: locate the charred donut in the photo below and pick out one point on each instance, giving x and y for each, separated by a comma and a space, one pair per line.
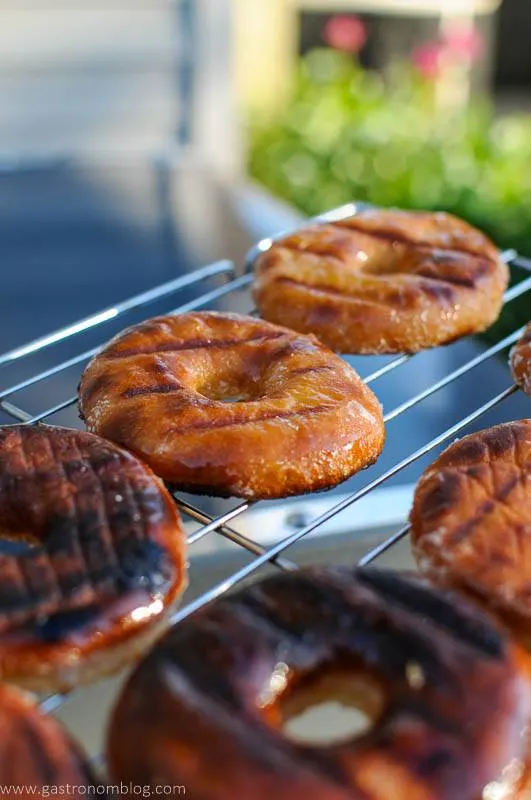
471, 518
299, 419
103, 559
521, 361
37, 757
383, 281
210, 694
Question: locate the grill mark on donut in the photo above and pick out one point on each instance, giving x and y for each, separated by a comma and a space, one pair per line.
142, 391
481, 448
309, 370
69, 535
41, 764
329, 290
110, 545
143, 565
506, 437
438, 289
14, 587
295, 347
466, 281
36, 750
47, 581
62, 574
241, 420
443, 494
98, 383
328, 601
487, 507
265, 605
191, 344
334, 250
110, 558
471, 630
158, 368
388, 234
482, 262
139, 562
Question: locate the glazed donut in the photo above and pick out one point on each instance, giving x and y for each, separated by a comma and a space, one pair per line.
229, 405
383, 281
471, 519
37, 757
521, 361
103, 556
453, 696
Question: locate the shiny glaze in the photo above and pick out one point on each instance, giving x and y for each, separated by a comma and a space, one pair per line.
456, 699
106, 556
383, 281
303, 419
471, 518
521, 361
36, 752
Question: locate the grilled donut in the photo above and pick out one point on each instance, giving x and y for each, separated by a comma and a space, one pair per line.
230, 405
383, 281
471, 519
521, 361
450, 695
102, 561
37, 757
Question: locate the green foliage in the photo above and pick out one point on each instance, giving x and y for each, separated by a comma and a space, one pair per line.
348, 135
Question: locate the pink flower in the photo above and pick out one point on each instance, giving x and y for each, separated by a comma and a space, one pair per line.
464, 41
427, 59
345, 33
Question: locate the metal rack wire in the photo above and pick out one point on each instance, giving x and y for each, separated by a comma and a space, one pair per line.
234, 281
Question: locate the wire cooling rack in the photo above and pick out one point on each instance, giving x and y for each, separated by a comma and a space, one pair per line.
233, 281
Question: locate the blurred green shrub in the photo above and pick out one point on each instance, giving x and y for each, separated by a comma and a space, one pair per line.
349, 135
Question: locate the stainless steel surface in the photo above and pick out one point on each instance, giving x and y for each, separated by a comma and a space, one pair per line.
252, 554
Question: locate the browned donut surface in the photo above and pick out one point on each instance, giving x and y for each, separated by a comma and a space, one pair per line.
102, 561
521, 361
37, 757
383, 281
231, 405
471, 518
455, 700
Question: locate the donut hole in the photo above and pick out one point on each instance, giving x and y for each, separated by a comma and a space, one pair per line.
332, 708
228, 394
234, 384
382, 258
16, 544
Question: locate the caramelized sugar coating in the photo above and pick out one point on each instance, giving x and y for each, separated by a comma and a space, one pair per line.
383, 281
455, 697
37, 755
230, 405
471, 518
104, 561
521, 361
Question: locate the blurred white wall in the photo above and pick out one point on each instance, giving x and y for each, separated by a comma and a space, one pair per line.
86, 75
105, 76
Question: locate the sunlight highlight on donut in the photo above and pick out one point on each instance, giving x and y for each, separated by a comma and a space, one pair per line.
145, 612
